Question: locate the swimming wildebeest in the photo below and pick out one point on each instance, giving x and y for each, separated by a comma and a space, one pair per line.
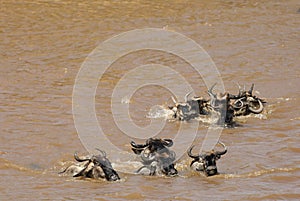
156, 156
217, 105
224, 106
189, 109
220, 104
245, 102
93, 166
206, 162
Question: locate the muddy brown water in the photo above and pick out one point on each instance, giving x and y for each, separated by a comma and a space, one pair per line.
44, 43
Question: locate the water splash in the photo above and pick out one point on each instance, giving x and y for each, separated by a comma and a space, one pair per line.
125, 100
158, 111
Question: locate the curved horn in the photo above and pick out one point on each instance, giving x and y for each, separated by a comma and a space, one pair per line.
259, 110
138, 146
167, 142
81, 159
173, 99
102, 152
222, 152
210, 92
212, 96
238, 101
187, 95
189, 152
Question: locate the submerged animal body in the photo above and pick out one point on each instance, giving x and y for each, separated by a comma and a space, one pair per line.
156, 157
93, 166
190, 108
246, 103
206, 162
223, 105
219, 104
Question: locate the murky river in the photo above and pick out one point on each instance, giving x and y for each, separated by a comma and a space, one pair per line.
43, 45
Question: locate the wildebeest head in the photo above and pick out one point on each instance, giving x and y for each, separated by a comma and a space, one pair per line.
217, 101
245, 102
93, 166
190, 108
220, 103
206, 162
155, 154
152, 145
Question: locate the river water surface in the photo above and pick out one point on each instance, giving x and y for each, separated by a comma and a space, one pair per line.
43, 45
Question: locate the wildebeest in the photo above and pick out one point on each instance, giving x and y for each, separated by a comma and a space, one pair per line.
223, 105
155, 156
93, 166
206, 162
220, 104
245, 102
190, 109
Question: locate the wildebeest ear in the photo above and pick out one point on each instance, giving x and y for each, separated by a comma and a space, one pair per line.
168, 142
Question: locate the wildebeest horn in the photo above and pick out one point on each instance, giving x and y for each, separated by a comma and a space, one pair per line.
259, 110
138, 146
210, 92
81, 159
168, 142
173, 99
240, 89
251, 89
189, 152
187, 95
240, 102
102, 152
213, 97
221, 152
